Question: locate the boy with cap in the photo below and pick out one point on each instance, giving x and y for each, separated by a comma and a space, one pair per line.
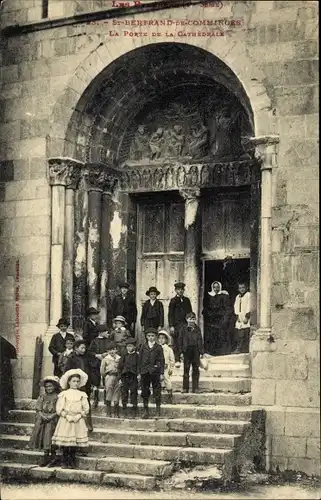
191, 346
151, 365
91, 323
124, 305
120, 334
109, 372
58, 344
178, 307
128, 371
63, 356
98, 350
164, 340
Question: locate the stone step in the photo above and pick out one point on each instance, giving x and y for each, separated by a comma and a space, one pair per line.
166, 453
118, 465
219, 384
230, 358
205, 412
220, 370
18, 472
139, 437
161, 424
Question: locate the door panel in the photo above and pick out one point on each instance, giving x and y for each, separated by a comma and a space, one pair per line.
160, 251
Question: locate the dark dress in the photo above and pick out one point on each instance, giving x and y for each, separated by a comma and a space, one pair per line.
56, 347
42, 432
217, 313
152, 314
125, 307
7, 352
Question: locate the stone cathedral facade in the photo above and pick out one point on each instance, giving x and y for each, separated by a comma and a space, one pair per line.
136, 147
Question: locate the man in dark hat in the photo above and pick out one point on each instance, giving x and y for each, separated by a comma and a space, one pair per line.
178, 308
152, 311
151, 365
58, 344
124, 305
91, 324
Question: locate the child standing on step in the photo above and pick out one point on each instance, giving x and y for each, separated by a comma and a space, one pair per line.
191, 346
63, 356
72, 407
98, 350
46, 421
109, 372
128, 371
164, 340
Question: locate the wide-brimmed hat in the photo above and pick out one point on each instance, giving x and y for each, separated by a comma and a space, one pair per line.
63, 322
70, 373
151, 330
50, 378
166, 334
131, 341
153, 289
179, 284
124, 284
120, 318
191, 315
92, 310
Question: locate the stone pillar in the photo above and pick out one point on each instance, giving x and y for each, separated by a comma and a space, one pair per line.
95, 179
58, 173
192, 245
72, 182
266, 151
105, 250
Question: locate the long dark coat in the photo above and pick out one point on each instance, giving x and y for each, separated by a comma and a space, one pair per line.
57, 346
152, 315
125, 307
90, 331
218, 313
7, 353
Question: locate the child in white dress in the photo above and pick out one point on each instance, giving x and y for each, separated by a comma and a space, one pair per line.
164, 340
72, 408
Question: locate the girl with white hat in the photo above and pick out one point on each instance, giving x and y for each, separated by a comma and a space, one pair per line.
164, 340
72, 407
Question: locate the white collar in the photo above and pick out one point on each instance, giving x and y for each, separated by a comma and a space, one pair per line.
63, 334
151, 344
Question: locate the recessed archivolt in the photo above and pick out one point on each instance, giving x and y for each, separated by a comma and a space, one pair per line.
230, 66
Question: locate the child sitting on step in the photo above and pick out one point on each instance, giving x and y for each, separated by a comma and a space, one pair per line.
110, 374
46, 421
164, 340
72, 407
128, 371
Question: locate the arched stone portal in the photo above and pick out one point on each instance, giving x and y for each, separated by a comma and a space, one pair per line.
158, 133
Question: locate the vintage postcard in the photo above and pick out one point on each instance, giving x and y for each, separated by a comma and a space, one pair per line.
159, 249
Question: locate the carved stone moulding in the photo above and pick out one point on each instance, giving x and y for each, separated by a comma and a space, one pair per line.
175, 176
65, 172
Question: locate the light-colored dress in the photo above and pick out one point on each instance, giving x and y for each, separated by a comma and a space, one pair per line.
71, 430
109, 372
169, 366
43, 431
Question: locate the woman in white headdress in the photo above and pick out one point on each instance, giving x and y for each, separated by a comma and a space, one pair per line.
217, 313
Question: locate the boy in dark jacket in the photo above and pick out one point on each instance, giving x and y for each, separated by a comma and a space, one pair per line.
98, 350
128, 371
178, 307
191, 346
151, 366
124, 305
152, 311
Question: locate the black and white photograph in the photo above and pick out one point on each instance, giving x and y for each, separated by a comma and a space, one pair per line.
159, 250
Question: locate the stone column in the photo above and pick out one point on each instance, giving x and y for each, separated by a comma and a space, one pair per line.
266, 151
72, 182
95, 180
105, 250
58, 173
192, 245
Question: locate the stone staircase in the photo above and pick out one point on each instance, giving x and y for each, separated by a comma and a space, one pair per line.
216, 427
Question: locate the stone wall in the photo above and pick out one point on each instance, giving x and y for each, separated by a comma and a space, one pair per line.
274, 54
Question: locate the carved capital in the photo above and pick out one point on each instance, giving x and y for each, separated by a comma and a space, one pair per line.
64, 172
100, 177
266, 150
190, 193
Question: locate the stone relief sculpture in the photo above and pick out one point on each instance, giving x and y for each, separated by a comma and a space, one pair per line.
156, 143
175, 140
140, 145
198, 146
223, 144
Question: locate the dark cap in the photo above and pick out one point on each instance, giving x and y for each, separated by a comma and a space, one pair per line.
123, 284
179, 284
151, 330
153, 289
111, 345
80, 342
131, 341
102, 328
92, 310
63, 322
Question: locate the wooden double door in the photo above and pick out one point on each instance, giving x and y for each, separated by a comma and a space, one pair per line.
160, 248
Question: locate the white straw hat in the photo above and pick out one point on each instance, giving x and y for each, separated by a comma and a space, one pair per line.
76, 371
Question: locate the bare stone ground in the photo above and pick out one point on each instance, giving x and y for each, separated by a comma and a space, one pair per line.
84, 492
